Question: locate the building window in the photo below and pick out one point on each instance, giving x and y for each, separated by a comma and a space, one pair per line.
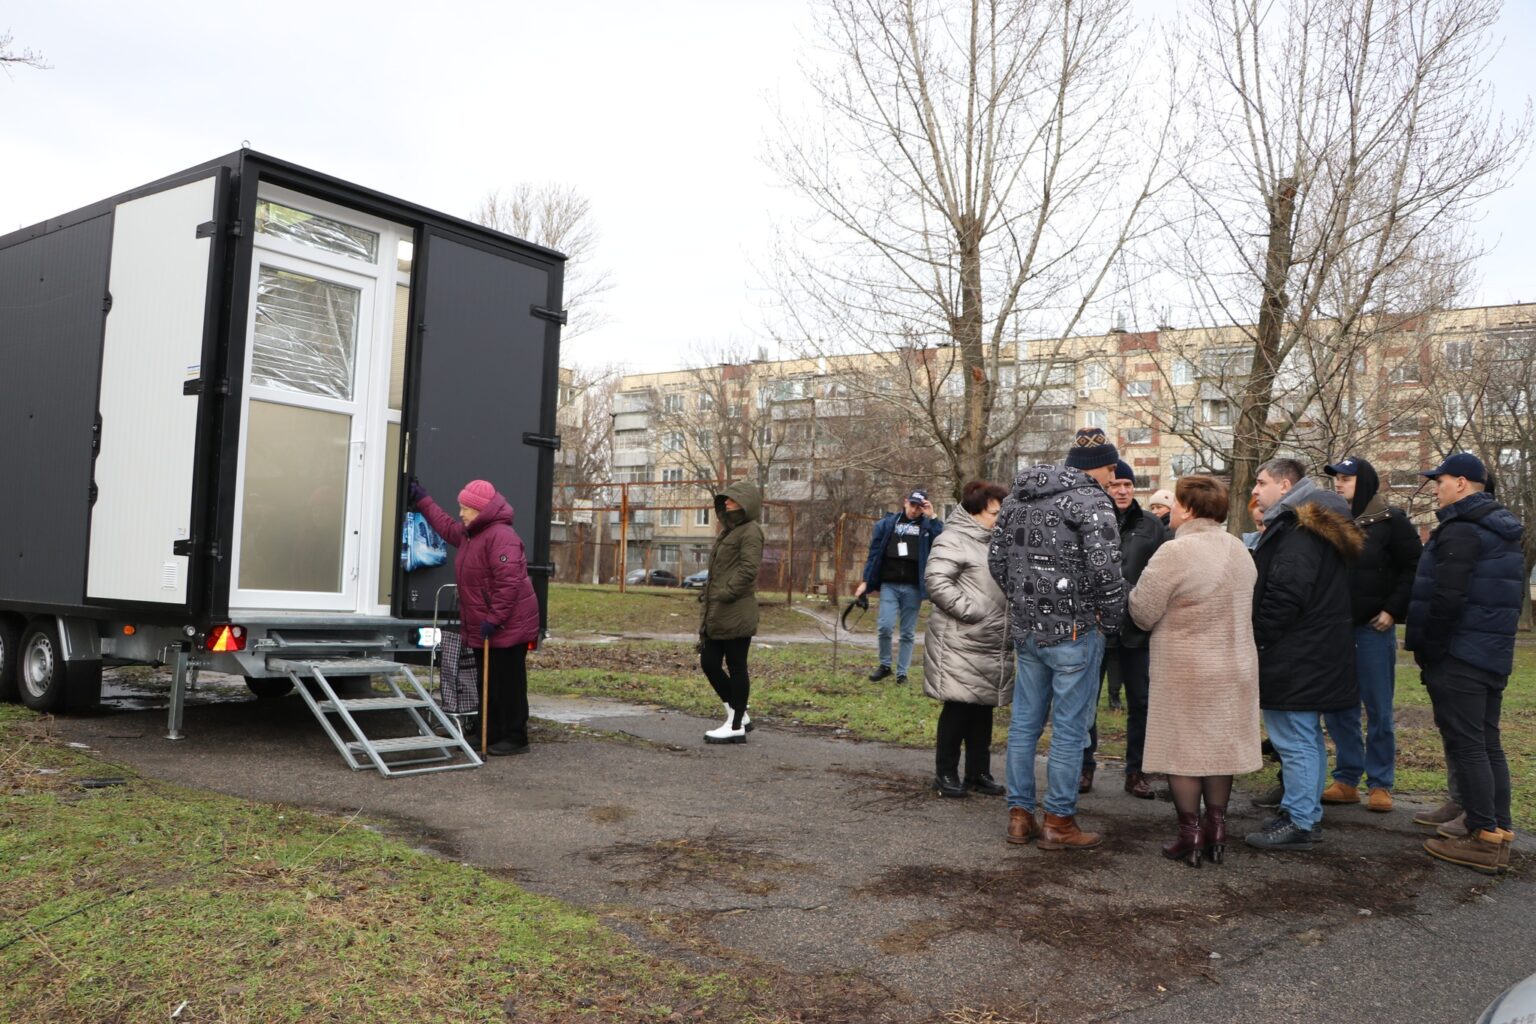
673, 442
1456, 410
1182, 465
1096, 418
671, 517
700, 554
1143, 482
706, 440
787, 474
1406, 372
1183, 417
1216, 412
1404, 425
1458, 355
1093, 376
672, 403
672, 476
1138, 389
701, 517
1183, 371
1138, 435
666, 554
1405, 478
706, 401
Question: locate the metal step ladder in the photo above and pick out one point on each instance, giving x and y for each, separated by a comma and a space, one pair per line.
435, 753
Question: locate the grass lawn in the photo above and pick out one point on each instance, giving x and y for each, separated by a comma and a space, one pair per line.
120, 903
576, 609
797, 684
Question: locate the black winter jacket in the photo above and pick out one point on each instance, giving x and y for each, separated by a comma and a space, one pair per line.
1141, 534
1381, 579
1301, 609
1467, 594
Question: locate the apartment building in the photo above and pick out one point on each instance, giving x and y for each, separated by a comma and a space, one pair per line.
814, 432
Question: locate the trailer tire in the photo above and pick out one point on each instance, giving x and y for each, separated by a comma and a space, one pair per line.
45, 680
10, 656
267, 689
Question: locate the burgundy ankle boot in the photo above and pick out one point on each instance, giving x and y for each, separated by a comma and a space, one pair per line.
1190, 842
1215, 833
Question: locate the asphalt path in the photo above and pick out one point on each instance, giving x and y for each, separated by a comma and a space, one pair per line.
827, 864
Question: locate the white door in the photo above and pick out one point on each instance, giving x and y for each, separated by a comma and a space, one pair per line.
299, 518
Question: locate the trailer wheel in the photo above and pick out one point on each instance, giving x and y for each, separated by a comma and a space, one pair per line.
45, 679
266, 689
10, 655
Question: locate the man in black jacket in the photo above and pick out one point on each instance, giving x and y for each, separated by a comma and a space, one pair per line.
1303, 630
1126, 657
1379, 584
1461, 629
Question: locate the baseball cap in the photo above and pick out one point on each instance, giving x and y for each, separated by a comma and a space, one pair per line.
1344, 467
1463, 464
918, 496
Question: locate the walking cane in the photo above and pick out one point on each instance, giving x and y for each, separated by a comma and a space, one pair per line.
485, 693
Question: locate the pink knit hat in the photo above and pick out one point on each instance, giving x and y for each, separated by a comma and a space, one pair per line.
477, 494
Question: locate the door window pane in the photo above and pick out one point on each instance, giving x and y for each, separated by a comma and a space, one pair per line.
316, 232
306, 335
293, 516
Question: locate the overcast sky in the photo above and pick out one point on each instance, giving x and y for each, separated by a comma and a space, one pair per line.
658, 112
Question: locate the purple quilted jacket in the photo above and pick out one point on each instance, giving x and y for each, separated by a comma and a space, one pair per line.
492, 573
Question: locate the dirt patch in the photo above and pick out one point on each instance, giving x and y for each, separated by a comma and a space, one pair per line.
885, 789
717, 858
610, 814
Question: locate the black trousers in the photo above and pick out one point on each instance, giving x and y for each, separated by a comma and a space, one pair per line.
970, 725
507, 716
1134, 665
1467, 702
725, 666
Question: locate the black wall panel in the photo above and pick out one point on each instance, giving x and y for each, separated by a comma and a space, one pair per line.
480, 383
51, 322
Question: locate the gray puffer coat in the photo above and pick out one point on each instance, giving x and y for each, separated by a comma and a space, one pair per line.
967, 657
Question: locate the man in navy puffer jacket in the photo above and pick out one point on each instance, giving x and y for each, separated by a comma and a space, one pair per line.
1461, 630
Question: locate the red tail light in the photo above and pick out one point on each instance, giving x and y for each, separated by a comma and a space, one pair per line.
226, 638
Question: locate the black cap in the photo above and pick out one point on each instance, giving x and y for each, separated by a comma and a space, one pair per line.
1346, 466
1463, 464
918, 496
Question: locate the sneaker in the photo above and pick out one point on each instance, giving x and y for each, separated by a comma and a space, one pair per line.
725, 734
1280, 834
1271, 797
1379, 800
1480, 852
879, 673
1341, 793
1448, 811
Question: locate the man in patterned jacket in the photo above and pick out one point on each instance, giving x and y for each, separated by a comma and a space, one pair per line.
1056, 555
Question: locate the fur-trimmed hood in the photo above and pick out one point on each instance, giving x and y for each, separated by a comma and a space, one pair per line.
1337, 530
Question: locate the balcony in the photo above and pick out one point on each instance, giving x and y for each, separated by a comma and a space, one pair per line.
628, 457
631, 421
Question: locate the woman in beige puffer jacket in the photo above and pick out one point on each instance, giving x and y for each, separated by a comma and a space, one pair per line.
967, 659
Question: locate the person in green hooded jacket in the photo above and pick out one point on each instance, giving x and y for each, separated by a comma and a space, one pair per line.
729, 597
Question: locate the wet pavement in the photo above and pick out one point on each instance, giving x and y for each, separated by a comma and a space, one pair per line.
814, 858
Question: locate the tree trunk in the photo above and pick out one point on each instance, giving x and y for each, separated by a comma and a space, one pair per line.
971, 447
1251, 444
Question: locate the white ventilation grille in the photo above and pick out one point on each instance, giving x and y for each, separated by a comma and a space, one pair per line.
170, 576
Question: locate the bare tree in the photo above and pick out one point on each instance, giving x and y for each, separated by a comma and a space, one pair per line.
1480, 387
1349, 142
585, 417
10, 57
558, 217
979, 164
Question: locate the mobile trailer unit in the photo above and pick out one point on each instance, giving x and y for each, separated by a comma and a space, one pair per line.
212, 391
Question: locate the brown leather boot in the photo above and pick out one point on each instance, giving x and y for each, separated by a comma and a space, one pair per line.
1479, 851
1062, 833
1021, 826
1506, 847
1215, 833
1448, 811
1189, 844
1136, 785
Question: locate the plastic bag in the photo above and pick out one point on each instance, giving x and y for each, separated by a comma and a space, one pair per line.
420, 546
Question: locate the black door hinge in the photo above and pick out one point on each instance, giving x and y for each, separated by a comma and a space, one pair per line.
199, 386
550, 441
191, 546
541, 568
106, 303
209, 228
556, 316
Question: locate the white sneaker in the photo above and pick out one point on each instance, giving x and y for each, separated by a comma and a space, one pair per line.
725, 734
746, 718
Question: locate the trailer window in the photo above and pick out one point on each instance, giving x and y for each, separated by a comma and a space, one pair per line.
306, 335
316, 232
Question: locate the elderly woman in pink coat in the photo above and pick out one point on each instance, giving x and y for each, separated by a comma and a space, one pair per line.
1196, 599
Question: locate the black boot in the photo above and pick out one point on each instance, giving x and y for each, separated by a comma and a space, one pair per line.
985, 784
948, 784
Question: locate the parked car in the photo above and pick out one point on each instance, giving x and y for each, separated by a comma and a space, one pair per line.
1516, 1004
697, 580
653, 578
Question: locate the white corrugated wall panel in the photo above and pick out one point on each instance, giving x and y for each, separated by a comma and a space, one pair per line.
153, 345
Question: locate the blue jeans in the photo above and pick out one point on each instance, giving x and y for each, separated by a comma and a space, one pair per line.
1060, 681
1375, 669
902, 598
1298, 740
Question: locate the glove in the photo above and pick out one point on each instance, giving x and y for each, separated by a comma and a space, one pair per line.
487, 628
415, 492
